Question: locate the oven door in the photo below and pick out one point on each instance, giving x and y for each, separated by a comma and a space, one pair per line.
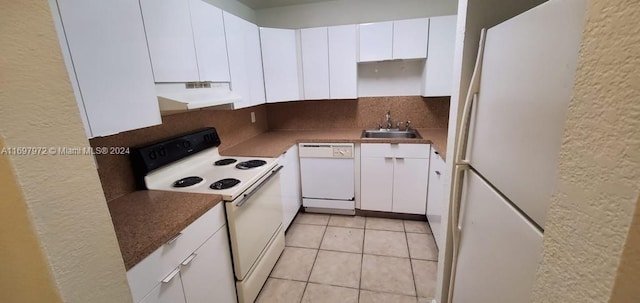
253, 219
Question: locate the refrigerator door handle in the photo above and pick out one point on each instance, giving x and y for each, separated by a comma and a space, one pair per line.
461, 164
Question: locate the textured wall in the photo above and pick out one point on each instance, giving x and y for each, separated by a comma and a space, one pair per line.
626, 286
361, 113
351, 11
65, 202
233, 127
599, 169
25, 271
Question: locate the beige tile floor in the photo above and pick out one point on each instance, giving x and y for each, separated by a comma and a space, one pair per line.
335, 259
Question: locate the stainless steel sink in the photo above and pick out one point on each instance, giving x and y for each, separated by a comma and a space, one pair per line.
390, 134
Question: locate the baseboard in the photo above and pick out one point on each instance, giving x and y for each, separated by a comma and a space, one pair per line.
382, 214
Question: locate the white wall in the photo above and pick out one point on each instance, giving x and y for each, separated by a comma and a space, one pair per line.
598, 182
352, 11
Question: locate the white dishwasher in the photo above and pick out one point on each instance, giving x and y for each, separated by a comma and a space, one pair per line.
327, 173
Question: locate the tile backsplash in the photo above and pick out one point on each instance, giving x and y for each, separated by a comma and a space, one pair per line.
362, 113
235, 126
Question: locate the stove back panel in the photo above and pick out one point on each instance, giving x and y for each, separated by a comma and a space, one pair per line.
147, 158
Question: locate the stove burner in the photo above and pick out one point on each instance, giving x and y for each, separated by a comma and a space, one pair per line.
250, 164
224, 184
224, 162
188, 181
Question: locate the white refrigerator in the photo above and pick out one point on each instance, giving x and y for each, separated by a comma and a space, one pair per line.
506, 168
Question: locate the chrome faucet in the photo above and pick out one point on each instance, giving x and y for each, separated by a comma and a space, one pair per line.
388, 120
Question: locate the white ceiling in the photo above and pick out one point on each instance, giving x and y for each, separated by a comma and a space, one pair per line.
260, 4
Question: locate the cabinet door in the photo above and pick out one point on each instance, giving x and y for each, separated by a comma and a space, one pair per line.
114, 79
343, 69
410, 185
245, 60
376, 40
410, 38
435, 192
438, 72
170, 38
167, 292
280, 62
315, 62
207, 274
254, 59
210, 44
290, 185
376, 184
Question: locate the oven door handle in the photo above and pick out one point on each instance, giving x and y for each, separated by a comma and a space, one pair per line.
255, 190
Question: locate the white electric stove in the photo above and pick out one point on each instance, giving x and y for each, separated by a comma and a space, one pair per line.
209, 173
250, 187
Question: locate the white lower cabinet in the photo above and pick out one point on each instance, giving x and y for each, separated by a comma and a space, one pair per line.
435, 205
290, 185
167, 292
394, 177
376, 183
410, 185
195, 266
207, 273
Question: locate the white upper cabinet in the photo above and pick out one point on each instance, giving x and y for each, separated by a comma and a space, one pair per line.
315, 62
186, 40
401, 39
168, 27
209, 40
376, 40
280, 63
112, 80
438, 72
343, 69
410, 38
245, 60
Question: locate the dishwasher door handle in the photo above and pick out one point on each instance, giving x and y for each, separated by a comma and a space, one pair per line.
257, 188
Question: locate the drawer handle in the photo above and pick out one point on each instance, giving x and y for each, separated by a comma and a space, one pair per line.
436, 152
189, 259
437, 173
174, 239
172, 275
400, 158
388, 158
248, 196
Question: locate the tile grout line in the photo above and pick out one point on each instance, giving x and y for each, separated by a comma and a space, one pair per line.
413, 276
314, 261
364, 235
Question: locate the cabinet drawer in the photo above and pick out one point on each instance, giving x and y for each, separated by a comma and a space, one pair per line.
376, 150
395, 150
149, 272
411, 150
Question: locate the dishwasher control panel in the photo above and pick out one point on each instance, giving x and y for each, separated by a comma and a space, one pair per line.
325, 150
342, 152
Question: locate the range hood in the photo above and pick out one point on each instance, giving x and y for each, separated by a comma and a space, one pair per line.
175, 98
